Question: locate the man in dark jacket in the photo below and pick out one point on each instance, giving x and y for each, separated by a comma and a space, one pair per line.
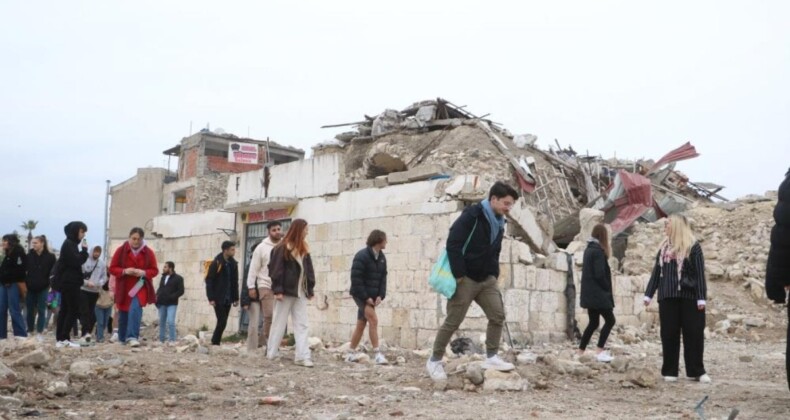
39, 266
777, 273
369, 288
222, 287
68, 280
171, 287
12, 284
473, 247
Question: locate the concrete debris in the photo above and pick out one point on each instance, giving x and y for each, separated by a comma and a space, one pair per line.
643, 377
504, 381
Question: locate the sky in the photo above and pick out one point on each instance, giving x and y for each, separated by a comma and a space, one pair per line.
91, 91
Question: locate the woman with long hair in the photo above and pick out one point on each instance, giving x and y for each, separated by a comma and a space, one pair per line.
293, 281
12, 273
596, 294
39, 266
134, 267
679, 278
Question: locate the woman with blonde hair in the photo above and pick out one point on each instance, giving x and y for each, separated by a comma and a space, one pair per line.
293, 280
596, 294
679, 278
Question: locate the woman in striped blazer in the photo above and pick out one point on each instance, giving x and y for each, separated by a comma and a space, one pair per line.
679, 278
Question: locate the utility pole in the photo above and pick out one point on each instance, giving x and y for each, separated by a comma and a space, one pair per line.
107, 221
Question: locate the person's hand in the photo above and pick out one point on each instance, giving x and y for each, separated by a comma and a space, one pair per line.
279, 296
378, 301
128, 271
211, 302
647, 301
236, 303
701, 307
252, 293
139, 272
370, 302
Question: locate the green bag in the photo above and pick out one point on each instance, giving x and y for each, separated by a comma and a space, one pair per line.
441, 279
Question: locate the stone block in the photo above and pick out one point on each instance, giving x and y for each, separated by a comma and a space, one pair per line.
532, 277
588, 218
333, 248
425, 319
505, 253
522, 253
558, 281
558, 261
385, 315
408, 338
425, 337
543, 280
380, 181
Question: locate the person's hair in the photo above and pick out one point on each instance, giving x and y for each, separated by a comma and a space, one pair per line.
502, 190
600, 233
226, 245
96, 248
680, 236
270, 225
138, 231
376, 237
294, 240
12, 239
172, 265
44, 244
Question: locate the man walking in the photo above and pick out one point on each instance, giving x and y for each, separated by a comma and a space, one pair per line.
171, 287
473, 247
222, 287
259, 287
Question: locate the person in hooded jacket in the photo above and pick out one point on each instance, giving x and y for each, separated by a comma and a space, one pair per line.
134, 267
596, 294
39, 266
13, 270
777, 273
68, 280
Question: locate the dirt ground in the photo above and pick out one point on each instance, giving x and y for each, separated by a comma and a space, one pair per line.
156, 382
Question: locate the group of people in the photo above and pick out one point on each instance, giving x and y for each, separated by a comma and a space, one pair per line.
281, 281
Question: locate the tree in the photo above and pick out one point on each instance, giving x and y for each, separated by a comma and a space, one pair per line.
29, 226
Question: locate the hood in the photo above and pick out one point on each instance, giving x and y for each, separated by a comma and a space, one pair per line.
72, 230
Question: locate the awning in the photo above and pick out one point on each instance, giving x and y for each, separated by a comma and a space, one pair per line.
262, 204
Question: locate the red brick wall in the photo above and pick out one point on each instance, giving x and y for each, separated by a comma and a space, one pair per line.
221, 165
189, 168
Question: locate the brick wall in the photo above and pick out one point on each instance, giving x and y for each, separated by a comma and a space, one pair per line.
190, 164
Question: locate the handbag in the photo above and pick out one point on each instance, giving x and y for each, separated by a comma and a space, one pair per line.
441, 278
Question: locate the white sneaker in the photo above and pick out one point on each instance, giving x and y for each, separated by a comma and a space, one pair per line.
133, 342
39, 338
381, 360
670, 378
351, 357
114, 337
66, 343
604, 357
704, 379
436, 370
60, 344
305, 363
495, 363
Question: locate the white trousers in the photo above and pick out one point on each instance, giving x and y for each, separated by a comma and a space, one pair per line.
297, 309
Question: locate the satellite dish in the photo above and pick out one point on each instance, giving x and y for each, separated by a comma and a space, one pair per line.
219, 130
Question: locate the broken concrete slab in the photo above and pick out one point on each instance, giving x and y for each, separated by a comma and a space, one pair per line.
419, 173
524, 224
588, 218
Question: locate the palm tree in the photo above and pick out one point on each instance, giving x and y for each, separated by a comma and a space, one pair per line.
29, 226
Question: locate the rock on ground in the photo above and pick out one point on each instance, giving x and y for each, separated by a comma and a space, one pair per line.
504, 381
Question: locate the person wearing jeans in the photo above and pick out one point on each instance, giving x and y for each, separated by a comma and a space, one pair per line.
171, 288
293, 281
596, 294
134, 267
39, 266
222, 287
473, 248
95, 273
103, 311
13, 270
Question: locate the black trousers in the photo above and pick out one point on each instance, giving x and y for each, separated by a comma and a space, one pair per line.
787, 351
681, 317
69, 308
88, 311
595, 314
222, 312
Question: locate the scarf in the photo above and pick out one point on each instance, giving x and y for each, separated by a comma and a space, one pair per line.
497, 222
137, 251
668, 255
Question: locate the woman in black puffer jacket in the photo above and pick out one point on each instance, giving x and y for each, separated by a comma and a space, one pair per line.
596, 294
777, 273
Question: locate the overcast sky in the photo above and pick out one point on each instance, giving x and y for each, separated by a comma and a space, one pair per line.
91, 91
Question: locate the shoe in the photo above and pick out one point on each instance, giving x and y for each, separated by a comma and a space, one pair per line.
39, 338
604, 357
133, 342
351, 357
436, 370
304, 362
495, 363
67, 343
704, 379
381, 360
60, 344
670, 378
114, 337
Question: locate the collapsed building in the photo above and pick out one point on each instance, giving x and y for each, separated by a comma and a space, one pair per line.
410, 173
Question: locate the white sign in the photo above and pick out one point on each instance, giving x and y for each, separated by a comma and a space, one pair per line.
243, 153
